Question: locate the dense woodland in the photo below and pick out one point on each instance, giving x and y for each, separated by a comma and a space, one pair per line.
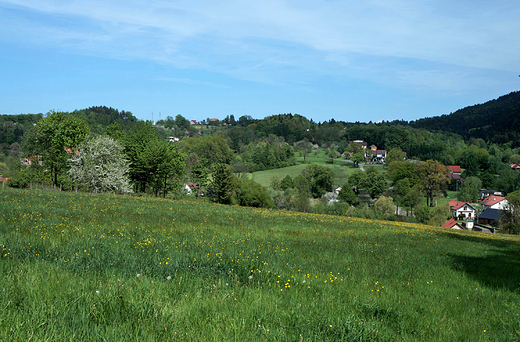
482, 139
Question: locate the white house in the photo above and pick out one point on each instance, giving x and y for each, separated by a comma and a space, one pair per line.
495, 202
462, 209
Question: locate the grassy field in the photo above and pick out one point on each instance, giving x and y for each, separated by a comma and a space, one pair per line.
85, 267
341, 169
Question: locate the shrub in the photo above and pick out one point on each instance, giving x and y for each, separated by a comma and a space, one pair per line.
251, 194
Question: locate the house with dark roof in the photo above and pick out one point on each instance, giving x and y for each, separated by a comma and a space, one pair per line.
484, 193
378, 156
489, 215
459, 209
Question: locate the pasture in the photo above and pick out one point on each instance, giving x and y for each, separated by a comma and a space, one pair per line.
341, 168
92, 267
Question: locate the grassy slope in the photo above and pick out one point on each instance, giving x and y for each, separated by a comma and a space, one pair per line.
243, 274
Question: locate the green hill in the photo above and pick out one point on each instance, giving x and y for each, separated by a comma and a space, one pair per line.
92, 267
497, 121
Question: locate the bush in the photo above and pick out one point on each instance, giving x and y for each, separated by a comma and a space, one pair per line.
249, 193
287, 183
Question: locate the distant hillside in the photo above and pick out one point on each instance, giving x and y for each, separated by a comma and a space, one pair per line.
496, 121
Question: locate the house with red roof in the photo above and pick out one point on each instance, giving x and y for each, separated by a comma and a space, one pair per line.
452, 224
515, 167
495, 202
454, 176
462, 209
455, 169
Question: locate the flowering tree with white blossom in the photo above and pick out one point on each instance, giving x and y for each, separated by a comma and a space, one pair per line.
101, 165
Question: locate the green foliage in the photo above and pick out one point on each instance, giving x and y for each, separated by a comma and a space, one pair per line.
286, 183
163, 163
181, 122
304, 147
251, 194
135, 143
357, 179
422, 213
275, 182
514, 159
270, 154
374, 182
291, 127
439, 215
211, 150
508, 180
511, 219
101, 166
332, 153
199, 175
352, 149
398, 170
357, 158
394, 155
115, 131
13, 128
300, 200
99, 118
320, 179
223, 181
469, 191
385, 205
347, 195
497, 121
433, 178
54, 138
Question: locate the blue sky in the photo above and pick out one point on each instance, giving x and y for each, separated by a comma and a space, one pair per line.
348, 60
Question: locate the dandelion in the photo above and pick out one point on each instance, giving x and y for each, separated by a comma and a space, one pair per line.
250, 277
138, 275
97, 292
169, 278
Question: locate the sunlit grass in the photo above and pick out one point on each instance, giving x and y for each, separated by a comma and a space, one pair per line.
95, 267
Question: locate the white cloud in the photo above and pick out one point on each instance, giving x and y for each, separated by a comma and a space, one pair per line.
265, 41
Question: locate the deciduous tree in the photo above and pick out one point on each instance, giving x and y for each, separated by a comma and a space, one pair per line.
101, 165
56, 136
433, 177
164, 164
347, 195
320, 179
511, 220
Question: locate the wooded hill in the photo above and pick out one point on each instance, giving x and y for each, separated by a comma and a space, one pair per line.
496, 121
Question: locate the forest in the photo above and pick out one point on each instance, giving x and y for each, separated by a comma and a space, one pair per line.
102, 149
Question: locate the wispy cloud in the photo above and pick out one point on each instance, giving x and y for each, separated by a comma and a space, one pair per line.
266, 41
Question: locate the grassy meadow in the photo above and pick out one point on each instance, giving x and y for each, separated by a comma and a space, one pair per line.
342, 169
91, 267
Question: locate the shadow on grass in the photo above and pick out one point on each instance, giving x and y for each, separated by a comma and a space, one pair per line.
499, 267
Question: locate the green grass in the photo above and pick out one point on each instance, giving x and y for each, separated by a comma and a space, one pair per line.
69, 267
341, 169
